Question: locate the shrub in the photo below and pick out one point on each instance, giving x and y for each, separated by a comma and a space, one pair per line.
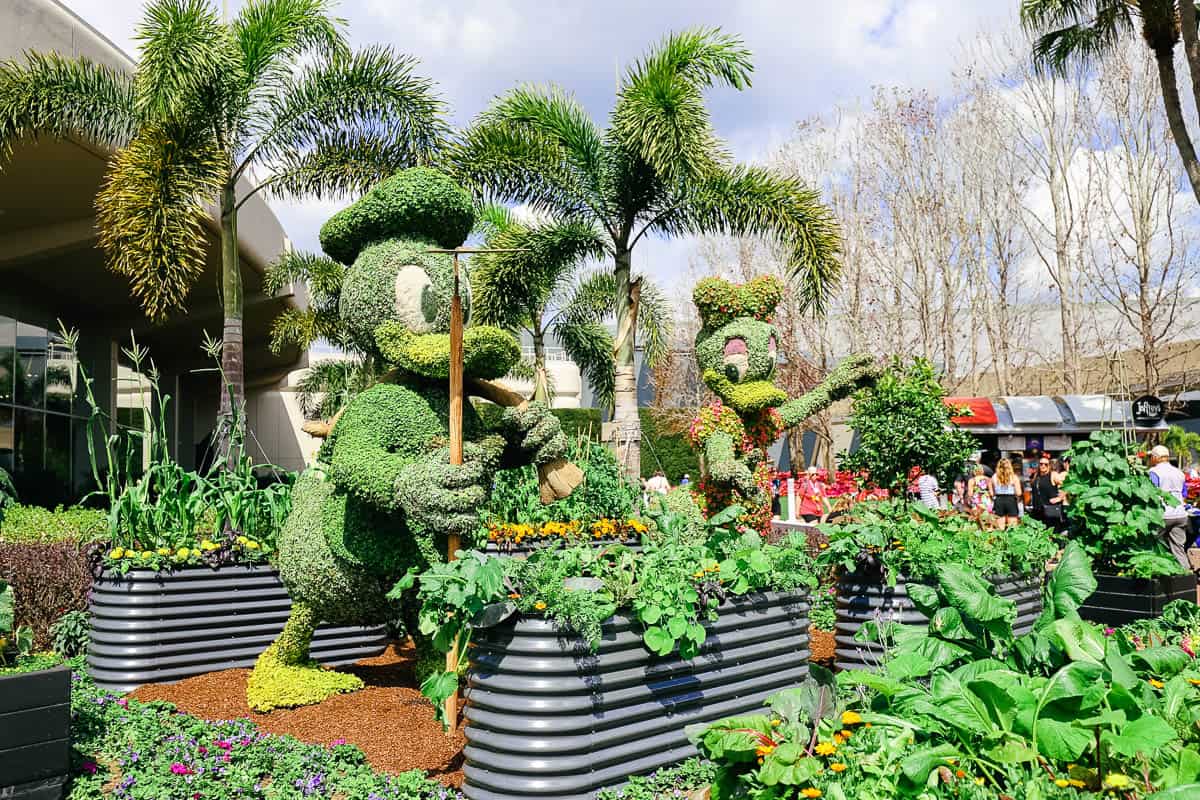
665, 444
33, 524
51, 578
69, 634
902, 423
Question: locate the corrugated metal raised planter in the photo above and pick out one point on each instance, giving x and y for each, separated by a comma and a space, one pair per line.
864, 599
152, 627
1119, 600
549, 720
35, 722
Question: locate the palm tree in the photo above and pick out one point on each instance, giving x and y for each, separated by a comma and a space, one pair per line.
210, 106
657, 169
540, 287
1071, 31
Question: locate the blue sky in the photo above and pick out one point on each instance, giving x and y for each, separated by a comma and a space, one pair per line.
809, 56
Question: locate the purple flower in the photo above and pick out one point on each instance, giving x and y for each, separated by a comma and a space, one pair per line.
90, 767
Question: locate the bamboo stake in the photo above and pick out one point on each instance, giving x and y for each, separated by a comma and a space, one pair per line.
456, 459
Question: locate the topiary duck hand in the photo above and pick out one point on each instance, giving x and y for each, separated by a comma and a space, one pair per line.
735, 474
536, 432
442, 497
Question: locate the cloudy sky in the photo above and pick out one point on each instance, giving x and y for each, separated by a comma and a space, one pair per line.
809, 55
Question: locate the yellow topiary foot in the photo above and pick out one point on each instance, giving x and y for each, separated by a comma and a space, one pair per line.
284, 676
274, 684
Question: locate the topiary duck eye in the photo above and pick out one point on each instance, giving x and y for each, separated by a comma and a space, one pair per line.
737, 359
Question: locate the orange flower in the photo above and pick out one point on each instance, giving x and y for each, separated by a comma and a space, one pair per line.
810, 792
837, 766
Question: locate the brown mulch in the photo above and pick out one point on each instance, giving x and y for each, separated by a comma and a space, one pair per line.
821, 644
388, 719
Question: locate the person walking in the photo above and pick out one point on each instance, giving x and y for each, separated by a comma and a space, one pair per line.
1045, 502
1006, 488
810, 496
1170, 479
658, 484
927, 489
979, 492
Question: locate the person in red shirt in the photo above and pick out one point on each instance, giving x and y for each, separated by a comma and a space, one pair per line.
810, 496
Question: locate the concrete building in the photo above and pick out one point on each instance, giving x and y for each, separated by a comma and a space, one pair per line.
51, 269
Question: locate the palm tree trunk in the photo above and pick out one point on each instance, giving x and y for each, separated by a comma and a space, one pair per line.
541, 384
1170, 94
230, 416
625, 431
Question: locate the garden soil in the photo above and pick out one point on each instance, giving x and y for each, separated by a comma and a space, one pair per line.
388, 719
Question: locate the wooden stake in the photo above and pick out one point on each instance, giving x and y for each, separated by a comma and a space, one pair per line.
456, 459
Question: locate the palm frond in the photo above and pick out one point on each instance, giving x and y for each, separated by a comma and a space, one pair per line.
302, 328
150, 212
509, 286
339, 163
590, 346
755, 201
660, 113
1071, 31
186, 53
49, 94
491, 218
271, 34
366, 108
329, 384
321, 274
512, 164
656, 323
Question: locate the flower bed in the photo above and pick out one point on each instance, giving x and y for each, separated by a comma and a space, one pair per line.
547, 718
520, 538
163, 626
1119, 600
861, 600
35, 720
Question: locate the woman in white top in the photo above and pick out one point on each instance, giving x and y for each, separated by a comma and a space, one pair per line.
1006, 487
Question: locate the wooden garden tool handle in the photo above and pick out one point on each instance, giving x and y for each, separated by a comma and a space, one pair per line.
557, 478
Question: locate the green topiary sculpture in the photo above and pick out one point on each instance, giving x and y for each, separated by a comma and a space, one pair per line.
383, 496
737, 348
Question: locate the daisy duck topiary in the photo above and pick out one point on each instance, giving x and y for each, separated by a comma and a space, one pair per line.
383, 496
737, 350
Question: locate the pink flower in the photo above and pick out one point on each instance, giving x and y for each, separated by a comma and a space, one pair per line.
123, 703
337, 742
1109, 631
202, 750
181, 769
224, 745
1186, 644
90, 767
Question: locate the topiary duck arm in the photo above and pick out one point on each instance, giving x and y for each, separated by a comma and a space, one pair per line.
853, 373
726, 464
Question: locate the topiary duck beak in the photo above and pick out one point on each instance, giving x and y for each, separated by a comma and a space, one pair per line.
487, 352
745, 397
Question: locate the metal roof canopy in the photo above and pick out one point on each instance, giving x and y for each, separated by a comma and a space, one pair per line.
1096, 409
1033, 410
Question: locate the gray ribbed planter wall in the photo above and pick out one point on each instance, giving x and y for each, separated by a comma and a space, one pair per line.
861, 600
35, 722
1119, 600
546, 719
151, 627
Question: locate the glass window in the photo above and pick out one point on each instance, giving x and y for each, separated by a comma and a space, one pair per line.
7, 444
8, 355
60, 374
29, 439
32, 345
57, 459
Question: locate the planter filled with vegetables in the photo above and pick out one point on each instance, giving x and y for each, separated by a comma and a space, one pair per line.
586, 664
1116, 514
890, 553
35, 716
970, 709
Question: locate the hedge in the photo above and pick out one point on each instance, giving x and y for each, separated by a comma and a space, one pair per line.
50, 579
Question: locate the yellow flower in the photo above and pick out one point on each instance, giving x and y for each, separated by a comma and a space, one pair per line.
1076, 783
539, 605
1116, 780
146, 554
1157, 684
130, 554
116, 552
3, 642
251, 545
765, 750
845, 734
775, 723
979, 781
837, 766
1062, 783
514, 596
242, 540
851, 718
810, 792
1193, 682
182, 552
164, 551
698, 574
839, 739
826, 749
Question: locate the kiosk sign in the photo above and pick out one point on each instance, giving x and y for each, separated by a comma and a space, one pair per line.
1148, 410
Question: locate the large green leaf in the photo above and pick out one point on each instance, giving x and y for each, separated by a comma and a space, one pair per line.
1164, 662
1189, 791
974, 597
1081, 640
1141, 737
1183, 770
1061, 740
1069, 584
917, 766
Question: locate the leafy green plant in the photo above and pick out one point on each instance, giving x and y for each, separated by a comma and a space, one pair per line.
891, 538
28, 524
8, 493
1115, 512
69, 634
902, 423
14, 640
1074, 699
671, 588
672, 782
